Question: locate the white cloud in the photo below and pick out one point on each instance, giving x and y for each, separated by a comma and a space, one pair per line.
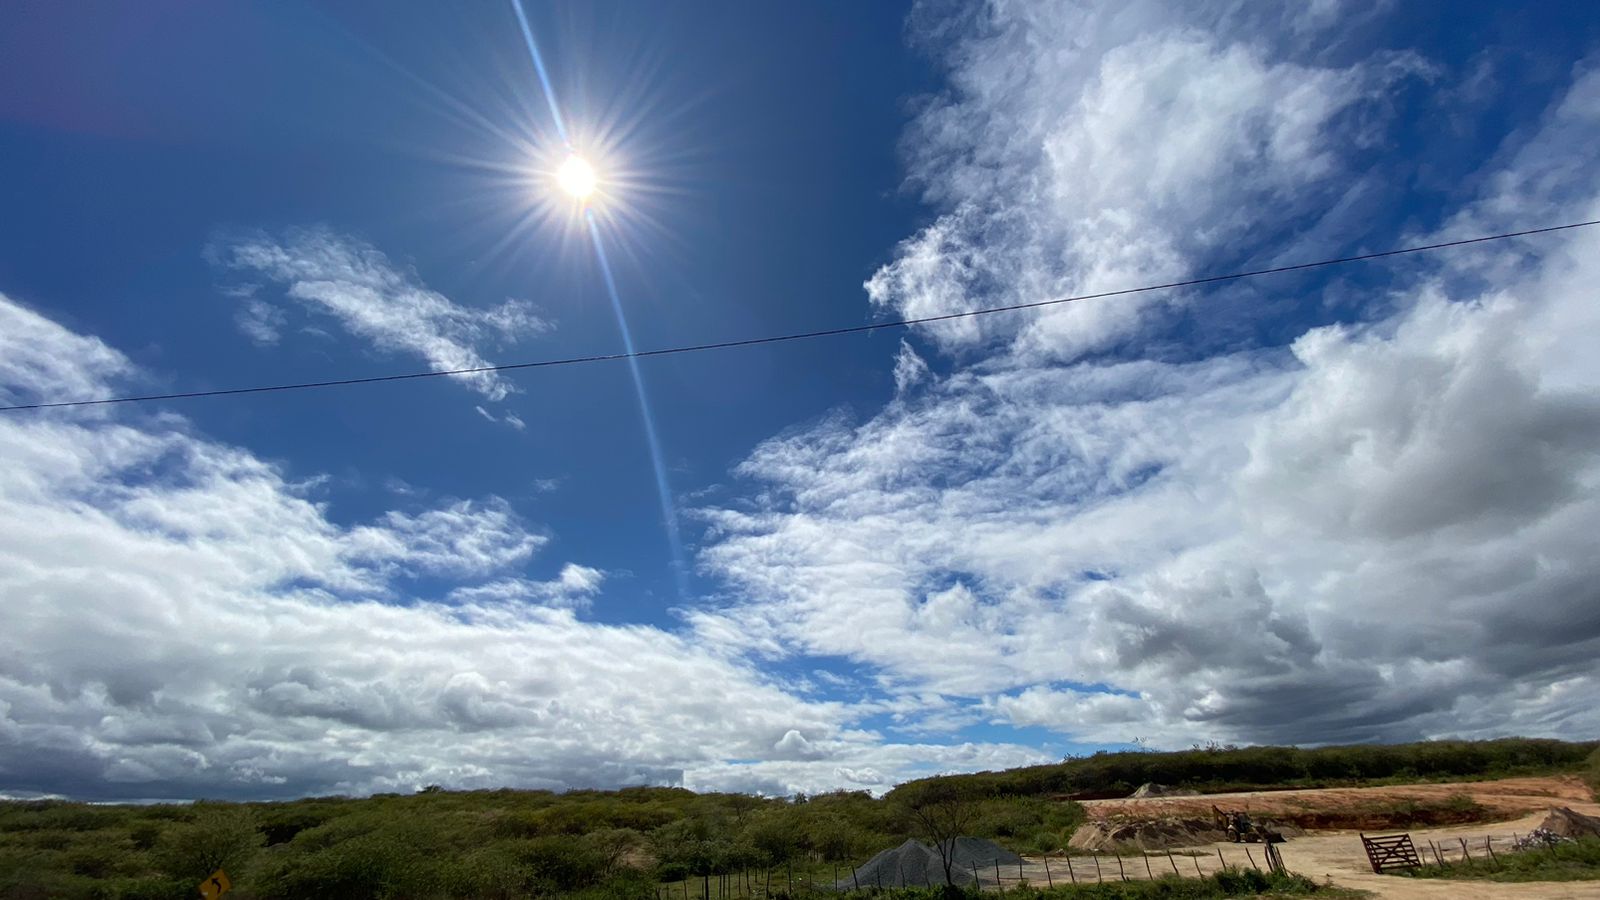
1376, 538
1370, 533
511, 419
909, 368
574, 588
184, 619
1081, 149
45, 362
376, 300
1379, 529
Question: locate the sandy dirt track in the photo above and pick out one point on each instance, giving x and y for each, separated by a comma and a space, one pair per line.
1337, 856
1508, 798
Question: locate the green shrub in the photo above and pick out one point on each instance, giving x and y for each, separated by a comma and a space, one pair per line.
144, 834
1215, 768
219, 837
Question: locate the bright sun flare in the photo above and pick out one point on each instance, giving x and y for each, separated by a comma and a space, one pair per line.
576, 177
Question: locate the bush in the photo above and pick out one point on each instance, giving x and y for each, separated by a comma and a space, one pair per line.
371, 866
219, 837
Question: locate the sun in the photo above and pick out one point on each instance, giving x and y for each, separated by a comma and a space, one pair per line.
577, 177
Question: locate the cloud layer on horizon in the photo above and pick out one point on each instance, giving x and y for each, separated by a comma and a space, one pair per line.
185, 619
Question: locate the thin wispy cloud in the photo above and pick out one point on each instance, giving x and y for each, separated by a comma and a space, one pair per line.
374, 299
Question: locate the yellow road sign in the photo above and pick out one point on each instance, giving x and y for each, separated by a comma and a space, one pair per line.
215, 886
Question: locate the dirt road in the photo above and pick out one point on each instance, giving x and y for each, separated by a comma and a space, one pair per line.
1507, 798
1337, 856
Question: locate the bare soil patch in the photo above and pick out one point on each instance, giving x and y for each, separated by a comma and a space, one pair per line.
1332, 857
1388, 806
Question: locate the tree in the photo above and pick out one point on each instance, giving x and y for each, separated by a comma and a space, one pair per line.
612, 844
941, 810
219, 837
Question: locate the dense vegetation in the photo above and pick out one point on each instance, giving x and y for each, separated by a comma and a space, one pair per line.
1216, 768
615, 844
624, 845
1575, 861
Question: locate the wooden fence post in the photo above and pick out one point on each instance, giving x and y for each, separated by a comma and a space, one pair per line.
1174, 864
1048, 881
1071, 874
1252, 859
853, 879
1097, 876
1197, 866
998, 886
1490, 847
1147, 869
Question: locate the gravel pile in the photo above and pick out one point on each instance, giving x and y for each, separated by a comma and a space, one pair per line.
915, 864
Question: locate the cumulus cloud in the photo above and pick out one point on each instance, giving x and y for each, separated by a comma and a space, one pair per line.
374, 299
1370, 532
184, 619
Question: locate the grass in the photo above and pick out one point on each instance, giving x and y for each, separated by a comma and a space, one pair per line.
1577, 861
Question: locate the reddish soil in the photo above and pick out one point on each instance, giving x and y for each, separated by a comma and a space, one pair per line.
1369, 807
1334, 857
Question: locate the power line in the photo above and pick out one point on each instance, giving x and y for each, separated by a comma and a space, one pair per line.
797, 336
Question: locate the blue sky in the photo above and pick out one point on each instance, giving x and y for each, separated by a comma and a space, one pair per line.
1176, 518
